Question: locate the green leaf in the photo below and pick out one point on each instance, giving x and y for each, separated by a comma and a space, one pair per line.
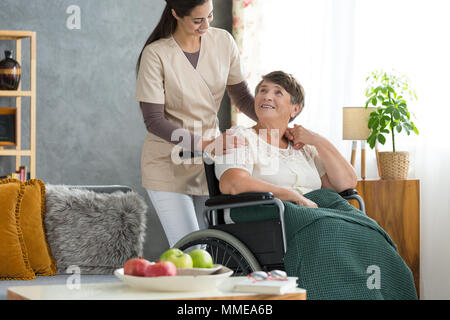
402, 110
406, 129
374, 101
392, 125
381, 139
378, 89
416, 131
399, 128
372, 141
376, 123
396, 114
373, 136
408, 126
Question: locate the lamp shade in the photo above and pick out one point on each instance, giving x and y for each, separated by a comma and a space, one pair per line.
355, 121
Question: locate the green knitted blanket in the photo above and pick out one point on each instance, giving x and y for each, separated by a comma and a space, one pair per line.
336, 251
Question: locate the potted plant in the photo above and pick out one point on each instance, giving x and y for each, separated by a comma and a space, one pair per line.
389, 92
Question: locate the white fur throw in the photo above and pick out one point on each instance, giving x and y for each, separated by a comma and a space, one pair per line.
96, 232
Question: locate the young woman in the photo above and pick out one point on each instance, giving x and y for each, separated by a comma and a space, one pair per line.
183, 72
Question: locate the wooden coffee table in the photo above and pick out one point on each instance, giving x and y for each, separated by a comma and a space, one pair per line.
121, 291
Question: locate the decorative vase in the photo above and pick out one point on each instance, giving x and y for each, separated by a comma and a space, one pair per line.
394, 165
10, 72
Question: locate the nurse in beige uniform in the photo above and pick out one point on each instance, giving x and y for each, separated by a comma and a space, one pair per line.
183, 72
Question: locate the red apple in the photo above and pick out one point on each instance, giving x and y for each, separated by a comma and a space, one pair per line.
136, 266
160, 269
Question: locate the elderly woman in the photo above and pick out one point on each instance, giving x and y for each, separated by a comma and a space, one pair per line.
334, 250
288, 162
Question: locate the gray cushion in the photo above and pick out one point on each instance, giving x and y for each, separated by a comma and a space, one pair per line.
97, 232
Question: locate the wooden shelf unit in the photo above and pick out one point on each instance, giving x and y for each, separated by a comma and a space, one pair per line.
15, 93
18, 152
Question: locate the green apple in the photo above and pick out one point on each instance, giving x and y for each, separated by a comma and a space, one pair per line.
201, 258
178, 258
170, 252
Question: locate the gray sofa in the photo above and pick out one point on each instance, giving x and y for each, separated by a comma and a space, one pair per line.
109, 211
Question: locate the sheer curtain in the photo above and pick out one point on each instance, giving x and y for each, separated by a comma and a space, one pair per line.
331, 46
247, 19
414, 40
312, 40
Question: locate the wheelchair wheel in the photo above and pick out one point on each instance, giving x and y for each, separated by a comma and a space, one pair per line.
225, 249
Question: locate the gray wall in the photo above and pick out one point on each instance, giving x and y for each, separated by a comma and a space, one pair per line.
89, 128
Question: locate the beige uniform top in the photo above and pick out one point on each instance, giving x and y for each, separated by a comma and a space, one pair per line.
190, 97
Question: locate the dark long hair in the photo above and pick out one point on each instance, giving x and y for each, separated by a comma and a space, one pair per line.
167, 24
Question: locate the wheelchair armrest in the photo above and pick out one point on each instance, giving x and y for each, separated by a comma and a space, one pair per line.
353, 194
226, 199
348, 193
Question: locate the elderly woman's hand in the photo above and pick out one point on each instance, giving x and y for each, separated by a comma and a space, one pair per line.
300, 136
306, 202
295, 197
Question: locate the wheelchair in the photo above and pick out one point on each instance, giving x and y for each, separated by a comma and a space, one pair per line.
243, 247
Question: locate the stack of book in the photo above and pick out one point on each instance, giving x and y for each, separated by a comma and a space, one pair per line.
266, 286
22, 174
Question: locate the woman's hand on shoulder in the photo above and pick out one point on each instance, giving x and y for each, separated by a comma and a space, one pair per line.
300, 136
223, 144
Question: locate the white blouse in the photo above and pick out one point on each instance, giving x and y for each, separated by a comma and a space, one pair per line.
298, 170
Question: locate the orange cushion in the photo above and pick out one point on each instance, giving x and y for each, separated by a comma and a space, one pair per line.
14, 263
32, 212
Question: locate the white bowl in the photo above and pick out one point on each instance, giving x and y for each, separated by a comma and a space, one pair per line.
198, 271
176, 283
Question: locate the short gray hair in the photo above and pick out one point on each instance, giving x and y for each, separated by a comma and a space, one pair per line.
288, 82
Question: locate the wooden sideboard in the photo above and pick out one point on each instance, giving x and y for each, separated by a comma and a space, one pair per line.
395, 205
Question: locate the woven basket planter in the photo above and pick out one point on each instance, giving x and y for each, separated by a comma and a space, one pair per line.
394, 165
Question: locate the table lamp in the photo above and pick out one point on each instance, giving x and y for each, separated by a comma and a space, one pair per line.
355, 128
